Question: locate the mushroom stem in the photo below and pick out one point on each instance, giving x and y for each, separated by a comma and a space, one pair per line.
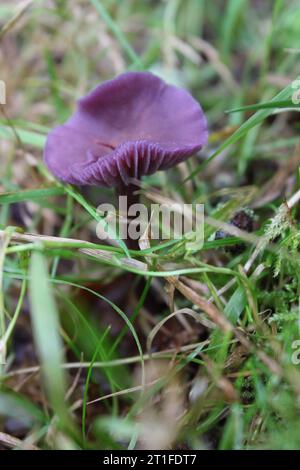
133, 197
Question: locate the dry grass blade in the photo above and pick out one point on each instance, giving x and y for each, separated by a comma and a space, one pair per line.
211, 310
14, 20
14, 443
153, 333
106, 256
138, 388
114, 363
102, 255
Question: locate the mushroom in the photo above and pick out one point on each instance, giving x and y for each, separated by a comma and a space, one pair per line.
125, 128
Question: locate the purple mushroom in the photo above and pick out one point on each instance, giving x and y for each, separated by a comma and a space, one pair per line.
130, 126
127, 127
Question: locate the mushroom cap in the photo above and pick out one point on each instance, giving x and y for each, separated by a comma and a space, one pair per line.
127, 127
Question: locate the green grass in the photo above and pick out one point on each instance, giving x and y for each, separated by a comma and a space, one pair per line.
98, 343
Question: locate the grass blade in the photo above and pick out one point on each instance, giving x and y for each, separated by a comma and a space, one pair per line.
117, 32
30, 194
267, 105
26, 137
45, 324
257, 118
